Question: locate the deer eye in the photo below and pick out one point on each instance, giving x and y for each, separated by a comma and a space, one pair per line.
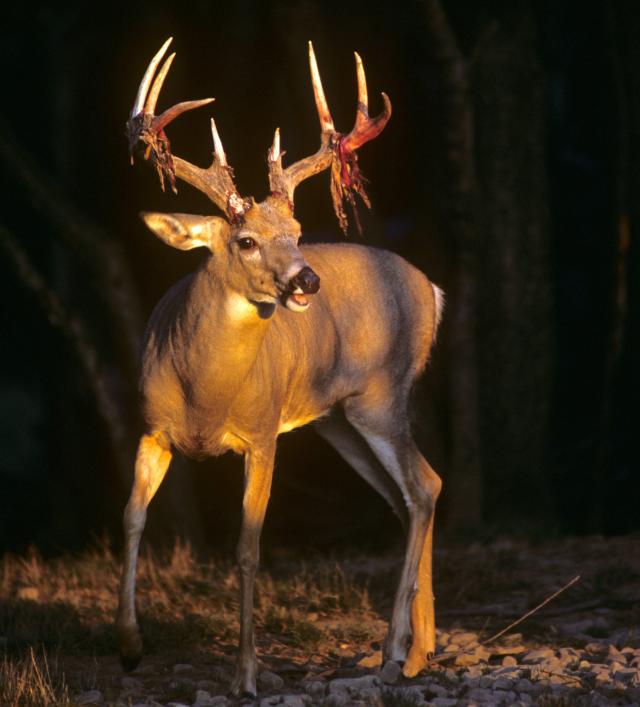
246, 243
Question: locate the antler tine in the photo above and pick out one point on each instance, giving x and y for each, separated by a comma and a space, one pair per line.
218, 150
337, 150
363, 97
143, 89
274, 152
326, 121
147, 130
152, 98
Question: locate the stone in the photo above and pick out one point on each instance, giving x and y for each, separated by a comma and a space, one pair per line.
351, 686
268, 681
466, 639
465, 659
444, 702
293, 700
131, 684
176, 704
371, 695
502, 684
90, 697
182, 668
390, 673
627, 675
538, 655
371, 661
481, 694
316, 689
203, 699
509, 660
523, 685
507, 650
435, 690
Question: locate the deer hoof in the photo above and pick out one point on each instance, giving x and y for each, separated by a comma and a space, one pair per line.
130, 647
415, 662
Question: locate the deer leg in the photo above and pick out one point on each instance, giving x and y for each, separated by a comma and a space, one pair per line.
350, 445
152, 462
257, 488
413, 616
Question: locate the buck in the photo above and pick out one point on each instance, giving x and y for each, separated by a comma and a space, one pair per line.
250, 346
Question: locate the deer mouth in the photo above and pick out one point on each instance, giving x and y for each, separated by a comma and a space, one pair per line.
296, 300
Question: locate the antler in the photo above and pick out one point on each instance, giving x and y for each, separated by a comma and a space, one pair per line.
145, 128
336, 150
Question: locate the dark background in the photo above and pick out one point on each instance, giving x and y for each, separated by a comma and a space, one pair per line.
509, 173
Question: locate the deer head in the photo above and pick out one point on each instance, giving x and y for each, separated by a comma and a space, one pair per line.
255, 244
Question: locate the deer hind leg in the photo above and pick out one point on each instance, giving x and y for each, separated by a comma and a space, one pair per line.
257, 488
152, 462
413, 616
350, 445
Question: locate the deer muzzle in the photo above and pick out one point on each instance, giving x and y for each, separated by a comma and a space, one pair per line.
306, 282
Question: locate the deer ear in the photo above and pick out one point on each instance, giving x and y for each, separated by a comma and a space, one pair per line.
185, 231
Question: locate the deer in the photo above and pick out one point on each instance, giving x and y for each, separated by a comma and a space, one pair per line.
250, 346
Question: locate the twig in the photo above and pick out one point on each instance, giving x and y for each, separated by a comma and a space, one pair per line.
447, 656
513, 624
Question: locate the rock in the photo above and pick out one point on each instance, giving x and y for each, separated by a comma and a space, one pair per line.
509, 660
268, 681
466, 639
176, 704
293, 700
524, 685
90, 697
316, 689
371, 696
480, 694
627, 675
182, 668
435, 690
390, 673
203, 699
444, 702
131, 684
615, 656
538, 655
465, 659
502, 684
443, 638
220, 701
351, 686
371, 661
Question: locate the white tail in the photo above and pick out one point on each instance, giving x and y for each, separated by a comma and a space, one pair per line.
250, 346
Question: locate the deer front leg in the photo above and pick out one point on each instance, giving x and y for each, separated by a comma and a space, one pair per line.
258, 474
152, 462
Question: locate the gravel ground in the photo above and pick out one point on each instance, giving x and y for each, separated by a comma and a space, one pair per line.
604, 672
581, 649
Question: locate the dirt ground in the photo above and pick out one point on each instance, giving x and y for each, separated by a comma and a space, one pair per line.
320, 626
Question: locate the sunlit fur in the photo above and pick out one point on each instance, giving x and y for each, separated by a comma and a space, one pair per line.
219, 374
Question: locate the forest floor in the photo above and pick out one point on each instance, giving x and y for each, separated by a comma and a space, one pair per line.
320, 625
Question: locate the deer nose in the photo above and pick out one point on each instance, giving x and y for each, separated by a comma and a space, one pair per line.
306, 280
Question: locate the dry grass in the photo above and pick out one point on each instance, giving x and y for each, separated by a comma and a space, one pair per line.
187, 609
32, 681
312, 616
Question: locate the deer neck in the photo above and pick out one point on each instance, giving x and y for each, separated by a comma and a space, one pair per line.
221, 335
